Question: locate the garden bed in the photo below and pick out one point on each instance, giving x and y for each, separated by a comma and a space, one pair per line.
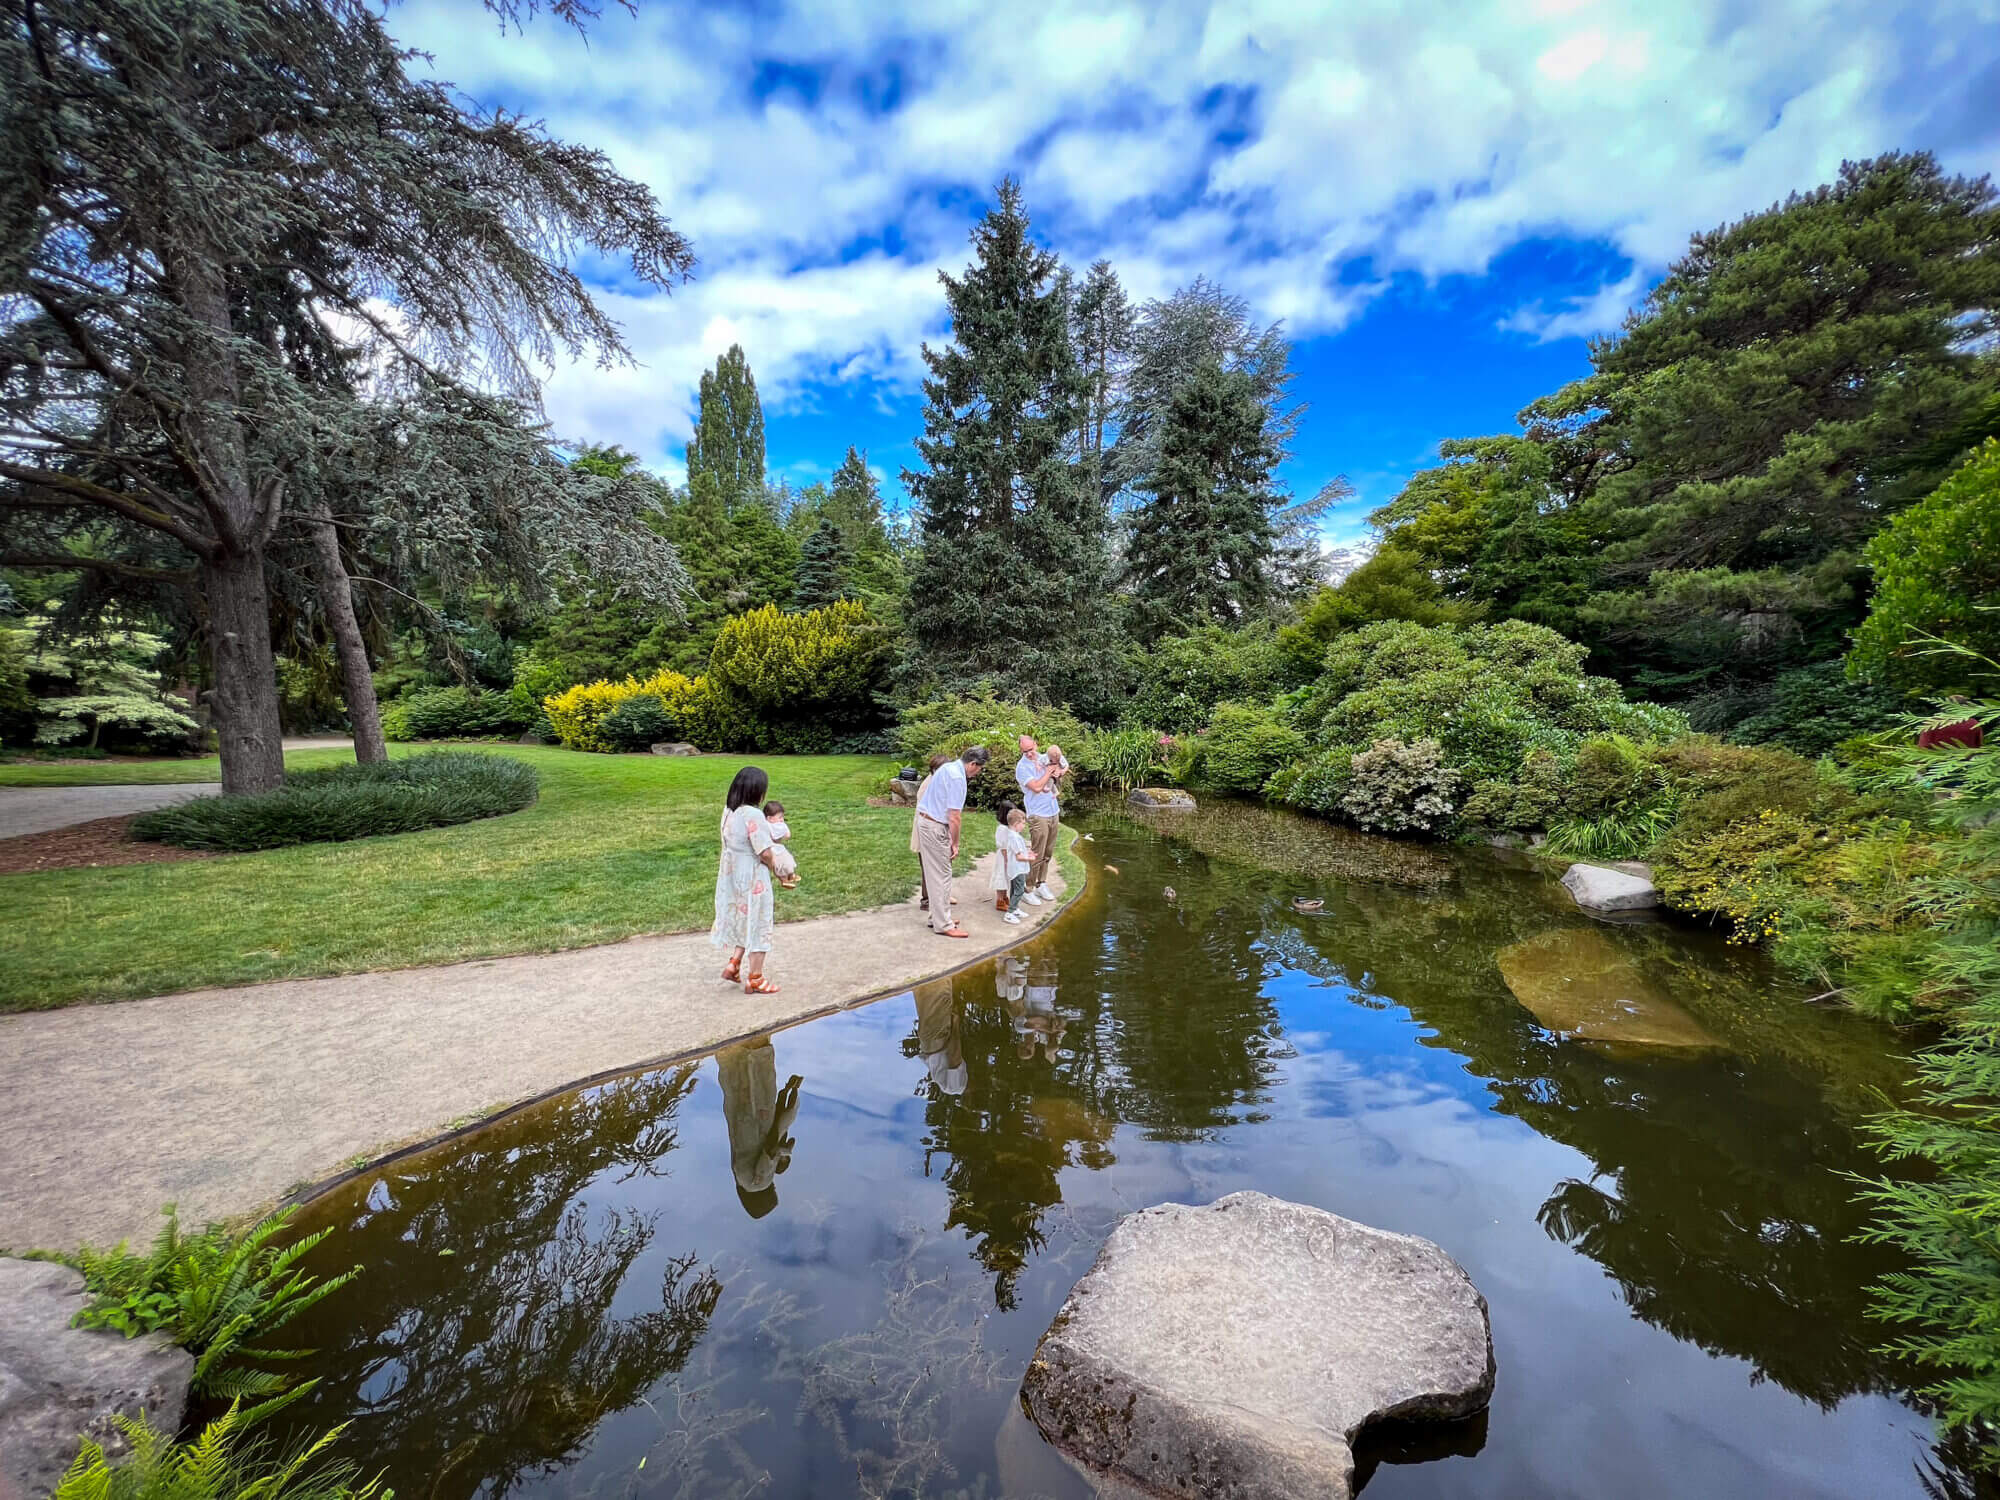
101, 841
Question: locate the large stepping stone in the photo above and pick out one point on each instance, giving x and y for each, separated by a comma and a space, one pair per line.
1238, 1349
1601, 888
1580, 984
58, 1383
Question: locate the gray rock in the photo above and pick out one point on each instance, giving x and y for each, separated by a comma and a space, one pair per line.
1238, 1349
58, 1383
903, 793
674, 747
1597, 888
1161, 798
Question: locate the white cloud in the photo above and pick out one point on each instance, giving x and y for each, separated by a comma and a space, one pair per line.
1421, 138
1579, 317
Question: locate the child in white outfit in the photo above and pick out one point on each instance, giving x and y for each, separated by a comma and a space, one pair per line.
783, 865
1011, 860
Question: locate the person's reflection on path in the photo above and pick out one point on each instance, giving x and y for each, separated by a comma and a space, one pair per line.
937, 1037
760, 1115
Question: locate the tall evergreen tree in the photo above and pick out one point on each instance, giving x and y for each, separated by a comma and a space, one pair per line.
1011, 585
727, 449
826, 568
854, 502
1103, 323
1797, 378
1200, 544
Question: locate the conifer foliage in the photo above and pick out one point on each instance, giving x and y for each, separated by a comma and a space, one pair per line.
1011, 588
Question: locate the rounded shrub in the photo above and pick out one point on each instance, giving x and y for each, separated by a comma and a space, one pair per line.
456, 713
350, 802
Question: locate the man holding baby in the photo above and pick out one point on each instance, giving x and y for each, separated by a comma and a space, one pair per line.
1038, 775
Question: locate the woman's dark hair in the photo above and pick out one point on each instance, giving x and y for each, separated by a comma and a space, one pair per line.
748, 789
1004, 811
939, 759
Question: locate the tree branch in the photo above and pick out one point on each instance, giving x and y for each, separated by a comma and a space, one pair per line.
65, 562
96, 494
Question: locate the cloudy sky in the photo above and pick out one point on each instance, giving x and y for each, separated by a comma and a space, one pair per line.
1441, 201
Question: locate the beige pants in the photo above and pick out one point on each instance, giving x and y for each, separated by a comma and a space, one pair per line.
934, 849
1042, 839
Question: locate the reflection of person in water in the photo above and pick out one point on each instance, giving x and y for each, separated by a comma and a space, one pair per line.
1030, 994
760, 1116
937, 1037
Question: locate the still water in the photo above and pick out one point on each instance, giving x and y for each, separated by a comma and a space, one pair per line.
818, 1264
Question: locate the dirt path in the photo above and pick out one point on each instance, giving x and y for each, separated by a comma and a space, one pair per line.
225, 1100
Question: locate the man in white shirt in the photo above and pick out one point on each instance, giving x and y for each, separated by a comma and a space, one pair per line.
940, 810
1038, 778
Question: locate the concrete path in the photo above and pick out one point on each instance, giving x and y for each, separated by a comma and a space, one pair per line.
224, 1101
37, 809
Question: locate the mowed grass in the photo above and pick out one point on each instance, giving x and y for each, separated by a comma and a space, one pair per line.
162, 772
617, 845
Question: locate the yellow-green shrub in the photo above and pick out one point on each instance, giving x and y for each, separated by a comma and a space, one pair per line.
706, 716
822, 662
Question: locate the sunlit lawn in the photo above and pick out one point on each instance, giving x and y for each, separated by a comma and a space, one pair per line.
617, 845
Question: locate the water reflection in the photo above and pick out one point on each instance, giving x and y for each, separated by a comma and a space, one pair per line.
1664, 1235
760, 1116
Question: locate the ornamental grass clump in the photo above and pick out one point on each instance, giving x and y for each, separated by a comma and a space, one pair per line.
350, 802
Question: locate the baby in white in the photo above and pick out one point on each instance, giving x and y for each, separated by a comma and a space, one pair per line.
783, 865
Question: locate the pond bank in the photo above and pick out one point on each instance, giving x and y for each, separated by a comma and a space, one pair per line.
226, 1100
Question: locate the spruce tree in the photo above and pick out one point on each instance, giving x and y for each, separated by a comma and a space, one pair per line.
854, 503
1103, 321
1011, 587
1201, 542
825, 568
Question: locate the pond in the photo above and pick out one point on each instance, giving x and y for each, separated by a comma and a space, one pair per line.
819, 1263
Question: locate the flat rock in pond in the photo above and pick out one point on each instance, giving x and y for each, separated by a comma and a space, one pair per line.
1161, 799
1598, 888
1238, 1349
58, 1383
1579, 983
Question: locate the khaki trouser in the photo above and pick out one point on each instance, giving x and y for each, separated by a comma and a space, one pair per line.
1042, 839
934, 849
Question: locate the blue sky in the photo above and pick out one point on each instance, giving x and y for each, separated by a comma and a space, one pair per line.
1441, 202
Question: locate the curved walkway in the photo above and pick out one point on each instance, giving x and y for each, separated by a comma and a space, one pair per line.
225, 1100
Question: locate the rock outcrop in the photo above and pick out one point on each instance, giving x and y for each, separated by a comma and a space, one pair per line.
1161, 799
1600, 888
1238, 1349
59, 1383
1579, 983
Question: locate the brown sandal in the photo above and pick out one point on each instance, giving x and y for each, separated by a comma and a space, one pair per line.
733, 971
757, 984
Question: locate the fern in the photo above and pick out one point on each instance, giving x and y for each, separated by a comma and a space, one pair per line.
219, 1464
214, 1293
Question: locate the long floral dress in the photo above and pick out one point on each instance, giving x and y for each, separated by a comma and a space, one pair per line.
745, 911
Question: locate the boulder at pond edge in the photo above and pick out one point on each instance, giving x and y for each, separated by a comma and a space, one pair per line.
1240, 1348
1597, 888
674, 747
59, 1384
1161, 798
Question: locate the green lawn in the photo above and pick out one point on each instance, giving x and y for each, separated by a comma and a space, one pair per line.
617, 845
162, 772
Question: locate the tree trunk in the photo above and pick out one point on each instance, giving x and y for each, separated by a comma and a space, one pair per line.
245, 695
336, 596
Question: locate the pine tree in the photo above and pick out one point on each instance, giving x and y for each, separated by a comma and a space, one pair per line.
854, 503
1798, 377
1011, 587
1201, 542
825, 567
1103, 322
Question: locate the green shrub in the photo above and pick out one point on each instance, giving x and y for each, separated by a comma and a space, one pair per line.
822, 664
1120, 759
457, 713
949, 725
17, 703
638, 723
1182, 678
1315, 785
1812, 710
220, 1464
1613, 835
1937, 575
1399, 788
1240, 749
214, 1294
1719, 784
349, 802
1524, 801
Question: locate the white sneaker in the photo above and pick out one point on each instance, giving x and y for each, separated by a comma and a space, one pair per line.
1044, 892
1031, 898
1012, 919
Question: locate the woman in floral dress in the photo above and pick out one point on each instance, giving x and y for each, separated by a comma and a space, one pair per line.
745, 910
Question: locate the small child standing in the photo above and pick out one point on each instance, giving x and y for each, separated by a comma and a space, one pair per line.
783, 865
1011, 860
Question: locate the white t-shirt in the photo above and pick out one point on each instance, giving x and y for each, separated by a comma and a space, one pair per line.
945, 792
1040, 804
1013, 856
